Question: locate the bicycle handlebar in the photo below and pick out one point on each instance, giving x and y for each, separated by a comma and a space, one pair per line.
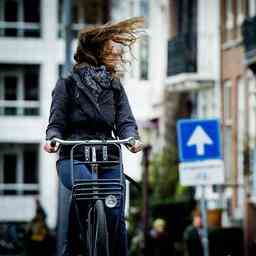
129, 141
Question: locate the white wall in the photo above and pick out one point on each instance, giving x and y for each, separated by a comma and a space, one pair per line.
17, 208
158, 48
48, 52
252, 9
145, 96
208, 58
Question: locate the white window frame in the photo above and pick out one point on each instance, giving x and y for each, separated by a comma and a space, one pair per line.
132, 9
252, 8
20, 103
229, 15
228, 152
135, 69
205, 97
144, 39
240, 12
146, 36
20, 25
1, 16
241, 126
252, 110
227, 85
19, 186
146, 15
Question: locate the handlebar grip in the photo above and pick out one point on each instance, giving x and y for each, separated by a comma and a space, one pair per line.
131, 142
53, 143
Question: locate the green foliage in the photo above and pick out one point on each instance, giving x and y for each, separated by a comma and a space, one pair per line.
164, 181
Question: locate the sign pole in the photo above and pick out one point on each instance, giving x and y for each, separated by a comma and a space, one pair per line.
203, 209
201, 162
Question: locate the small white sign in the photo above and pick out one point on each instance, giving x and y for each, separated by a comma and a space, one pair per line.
206, 172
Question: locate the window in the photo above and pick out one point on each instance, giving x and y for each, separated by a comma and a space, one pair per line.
19, 90
144, 42
241, 119
205, 103
234, 12
18, 169
131, 8
252, 110
228, 128
227, 102
241, 13
144, 11
192, 104
228, 152
229, 14
144, 57
229, 21
88, 12
20, 18
251, 7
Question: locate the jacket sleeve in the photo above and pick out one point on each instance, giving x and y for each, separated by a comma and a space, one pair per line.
126, 125
58, 111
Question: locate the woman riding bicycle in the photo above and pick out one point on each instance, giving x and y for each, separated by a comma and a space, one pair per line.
91, 103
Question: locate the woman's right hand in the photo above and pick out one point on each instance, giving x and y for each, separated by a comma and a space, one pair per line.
137, 147
50, 147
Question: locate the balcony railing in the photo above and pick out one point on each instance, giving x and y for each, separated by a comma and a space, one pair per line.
182, 54
249, 41
19, 189
19, 29
19, 108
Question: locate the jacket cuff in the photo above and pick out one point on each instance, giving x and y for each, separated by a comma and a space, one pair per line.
53, 133
127, 135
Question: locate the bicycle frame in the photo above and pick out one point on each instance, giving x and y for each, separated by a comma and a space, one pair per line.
95, 189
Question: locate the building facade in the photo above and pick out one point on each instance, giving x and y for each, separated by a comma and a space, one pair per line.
235, 110
32, 54
192, 82
249, 36
210, 73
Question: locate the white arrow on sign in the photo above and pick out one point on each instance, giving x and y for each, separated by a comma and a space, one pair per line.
199, 138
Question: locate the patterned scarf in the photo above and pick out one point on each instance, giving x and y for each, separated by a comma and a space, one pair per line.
97, 78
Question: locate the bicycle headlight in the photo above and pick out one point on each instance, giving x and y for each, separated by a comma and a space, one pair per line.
111, 201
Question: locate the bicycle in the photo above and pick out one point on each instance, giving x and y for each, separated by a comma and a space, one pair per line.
96, 191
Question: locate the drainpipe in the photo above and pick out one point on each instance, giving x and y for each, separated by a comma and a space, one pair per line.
146, 153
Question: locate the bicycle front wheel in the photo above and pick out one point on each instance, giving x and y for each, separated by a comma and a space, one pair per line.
97, 232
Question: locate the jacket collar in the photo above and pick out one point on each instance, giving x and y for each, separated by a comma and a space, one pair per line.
87, 93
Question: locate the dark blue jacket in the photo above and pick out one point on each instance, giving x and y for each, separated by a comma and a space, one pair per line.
76, 114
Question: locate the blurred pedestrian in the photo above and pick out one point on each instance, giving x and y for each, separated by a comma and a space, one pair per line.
193, 236
38, 238
160, 242
11, 238
136, 243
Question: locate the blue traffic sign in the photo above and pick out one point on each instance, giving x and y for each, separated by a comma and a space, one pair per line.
199, 139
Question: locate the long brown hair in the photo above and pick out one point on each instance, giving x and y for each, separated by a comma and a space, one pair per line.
93, 42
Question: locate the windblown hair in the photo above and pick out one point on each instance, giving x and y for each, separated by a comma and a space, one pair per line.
92, 49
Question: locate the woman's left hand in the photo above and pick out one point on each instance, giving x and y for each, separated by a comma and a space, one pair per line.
138, 146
